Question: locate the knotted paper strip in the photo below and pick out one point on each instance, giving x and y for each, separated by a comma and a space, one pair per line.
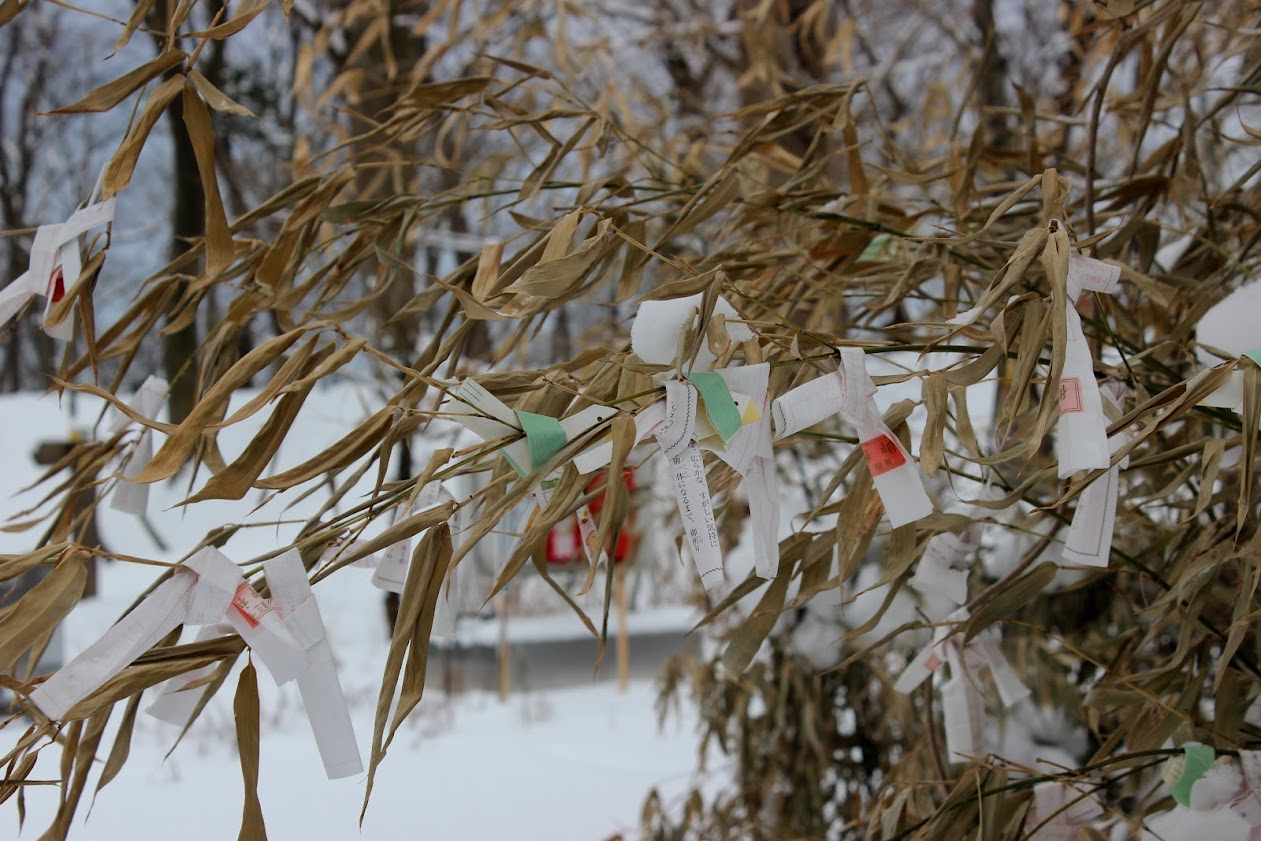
129, 496
851, 393
55, 262
943, 569
1082, 439
656, 329
321, 691
961, 703
750, 453
677, 437
197, 593
962, 711
176, 701
1089, 540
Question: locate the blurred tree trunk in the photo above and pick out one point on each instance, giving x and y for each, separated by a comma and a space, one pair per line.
188, 222
24, 72
991, 88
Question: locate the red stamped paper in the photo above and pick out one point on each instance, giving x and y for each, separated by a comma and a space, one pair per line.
250, 605
57, 285
932, 662
1070, 395
883, 455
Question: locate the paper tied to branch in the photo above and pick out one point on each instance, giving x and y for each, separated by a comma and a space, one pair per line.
293, 604
1205, 782
1089, 541
179, 697
851, 393
677, 436
132, 497
962, 711
943, 568
1059, 811
321, 691
1082, 440
197, 593
750, 453
1229, 327
531, 439
658, 326
931, 656
962, 707
55, 264
390, 570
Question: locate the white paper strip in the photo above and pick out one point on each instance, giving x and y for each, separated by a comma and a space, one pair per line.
962, 711
197, 593
1089, 541
931, 656
985, 652
321, 691
259, 624
128, 496
750, 452
599, 455
1081, 440
851, 392
391, 571
658, 324
808, 404
175, 703
54, 245
676, 434
943, 569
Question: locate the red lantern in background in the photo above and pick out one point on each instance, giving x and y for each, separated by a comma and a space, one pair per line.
564, 541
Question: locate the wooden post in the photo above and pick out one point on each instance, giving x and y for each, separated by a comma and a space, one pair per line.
623, 627
505, 658
81, 515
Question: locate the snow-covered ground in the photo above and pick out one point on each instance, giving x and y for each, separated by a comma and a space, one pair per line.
565, 764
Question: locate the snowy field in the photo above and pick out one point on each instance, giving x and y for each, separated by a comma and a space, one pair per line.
563, 764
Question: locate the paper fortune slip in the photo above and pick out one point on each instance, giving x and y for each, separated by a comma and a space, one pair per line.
943, 568
658, 326
129, 496
178, 698
197, 593
1082, 440
750, 453
55, 264
321, 691
962, 708
962, 711
677, 437
532, 438
1089, 541
851, 393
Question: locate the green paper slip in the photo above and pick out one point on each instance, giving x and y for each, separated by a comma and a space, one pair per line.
545, 436
1197, 759
720, 407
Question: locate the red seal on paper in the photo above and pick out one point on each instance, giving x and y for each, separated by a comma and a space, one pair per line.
250, 604
1070, 395
57, 285
883, 455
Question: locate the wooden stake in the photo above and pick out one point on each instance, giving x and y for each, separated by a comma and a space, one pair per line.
505, 658
623, 628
